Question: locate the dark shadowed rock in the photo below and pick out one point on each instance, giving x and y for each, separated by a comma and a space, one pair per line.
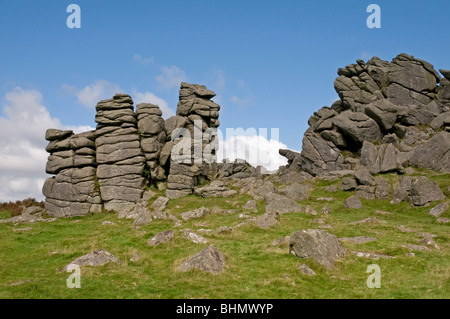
208, 260
348, 184
323, 247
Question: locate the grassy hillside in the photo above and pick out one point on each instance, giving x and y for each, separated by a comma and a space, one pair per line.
31, 260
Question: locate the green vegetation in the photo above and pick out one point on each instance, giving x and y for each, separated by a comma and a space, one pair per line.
31, 261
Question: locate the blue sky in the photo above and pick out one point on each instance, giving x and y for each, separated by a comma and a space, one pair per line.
271, 63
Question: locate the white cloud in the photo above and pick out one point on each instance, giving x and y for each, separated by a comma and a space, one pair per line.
143, 60
170, 77
148, 97
256, 150
23, 159
93, 93
240, 101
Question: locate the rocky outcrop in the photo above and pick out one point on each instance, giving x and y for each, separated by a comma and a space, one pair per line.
375, 123
209, 260
192, 156
119, 155
109, 167
419, 191
74, 189
323, 247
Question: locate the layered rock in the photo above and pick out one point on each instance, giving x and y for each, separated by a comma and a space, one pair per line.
119, 155
74, 190
151, 128
193, 139
384, 119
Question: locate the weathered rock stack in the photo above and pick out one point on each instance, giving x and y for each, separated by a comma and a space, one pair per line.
109, 167
194, 144
119, 154
73, 191
153, 138
389, 116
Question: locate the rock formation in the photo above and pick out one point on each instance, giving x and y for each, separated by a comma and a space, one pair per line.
389, 116
197, 118
74, 189
119, 155
108, 168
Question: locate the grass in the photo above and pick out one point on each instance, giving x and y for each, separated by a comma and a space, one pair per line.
31, 261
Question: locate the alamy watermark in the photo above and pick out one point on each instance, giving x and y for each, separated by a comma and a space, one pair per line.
74, 19
74, 280
374, 20
374, 280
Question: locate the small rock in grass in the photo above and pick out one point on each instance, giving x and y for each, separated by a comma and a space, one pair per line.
304, 269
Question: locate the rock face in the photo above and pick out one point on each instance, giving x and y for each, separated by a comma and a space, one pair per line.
191, 157
323, 247
109, 167
417, 190
119, 155
373, 122
74, 190
209, 260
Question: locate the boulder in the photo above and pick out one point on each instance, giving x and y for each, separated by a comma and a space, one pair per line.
383, 112
348, 184
280, 204
295, 191
217, 188
305, 270
358, 127
323, 247
364, 177
438, 210
423, 191
417, 190
209, 260
265, 221
159, 204
193, 237
196, 213
97, 258
434, 154
161, 238
379, 159
353, 202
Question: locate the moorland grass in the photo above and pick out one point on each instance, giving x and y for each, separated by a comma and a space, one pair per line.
31, 262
